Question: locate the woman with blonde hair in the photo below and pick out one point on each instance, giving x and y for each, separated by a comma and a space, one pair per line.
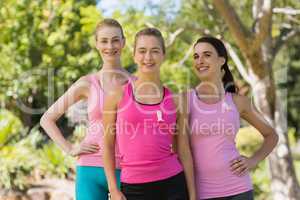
90, 178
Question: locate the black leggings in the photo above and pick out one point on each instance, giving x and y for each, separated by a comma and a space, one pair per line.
173, 188
242, 196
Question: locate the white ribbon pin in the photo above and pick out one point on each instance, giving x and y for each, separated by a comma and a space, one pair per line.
159, 116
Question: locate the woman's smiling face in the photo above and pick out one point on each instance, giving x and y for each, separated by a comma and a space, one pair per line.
207, 63
110, 43
148, 53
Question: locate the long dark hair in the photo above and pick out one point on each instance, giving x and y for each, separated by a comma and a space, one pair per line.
227, 79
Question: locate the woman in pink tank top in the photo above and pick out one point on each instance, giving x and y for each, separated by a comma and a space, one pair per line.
141, 118
90, 178
214, 119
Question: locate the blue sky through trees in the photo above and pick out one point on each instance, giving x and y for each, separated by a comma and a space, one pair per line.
109, 6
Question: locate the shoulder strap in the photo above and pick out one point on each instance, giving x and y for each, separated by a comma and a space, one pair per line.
93, 80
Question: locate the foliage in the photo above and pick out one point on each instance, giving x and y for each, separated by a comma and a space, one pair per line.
24, 158
261, 181
10, 125
47, 45
54, 162
293, 84
248, 141
18, 161
23, 162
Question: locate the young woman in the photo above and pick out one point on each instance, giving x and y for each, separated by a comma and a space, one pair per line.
141, 116
90, 178
214, 112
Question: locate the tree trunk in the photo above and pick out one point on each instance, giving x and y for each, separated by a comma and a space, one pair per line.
284, 185
257, 49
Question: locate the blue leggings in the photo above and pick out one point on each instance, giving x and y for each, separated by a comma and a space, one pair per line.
91, 183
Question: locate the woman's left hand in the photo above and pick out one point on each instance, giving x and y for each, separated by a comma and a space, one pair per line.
239, 166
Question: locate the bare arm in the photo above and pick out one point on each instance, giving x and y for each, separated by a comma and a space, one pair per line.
109, 123
183, 145
77, 91
250, 114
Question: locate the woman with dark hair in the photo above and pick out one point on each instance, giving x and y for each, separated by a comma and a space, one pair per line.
215, 110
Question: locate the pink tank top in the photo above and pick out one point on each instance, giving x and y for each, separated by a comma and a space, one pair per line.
213, 129
95, 129
145, 135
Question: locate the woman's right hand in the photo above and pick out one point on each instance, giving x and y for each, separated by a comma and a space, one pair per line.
117, 195
84, 148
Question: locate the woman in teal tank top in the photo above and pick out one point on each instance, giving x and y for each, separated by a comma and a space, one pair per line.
91, 182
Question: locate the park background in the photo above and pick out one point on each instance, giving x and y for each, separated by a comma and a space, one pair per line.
45, 45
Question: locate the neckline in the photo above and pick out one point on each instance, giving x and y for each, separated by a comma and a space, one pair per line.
210, 104
146, 104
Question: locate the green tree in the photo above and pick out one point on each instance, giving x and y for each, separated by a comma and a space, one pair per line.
45, 46
259, 48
